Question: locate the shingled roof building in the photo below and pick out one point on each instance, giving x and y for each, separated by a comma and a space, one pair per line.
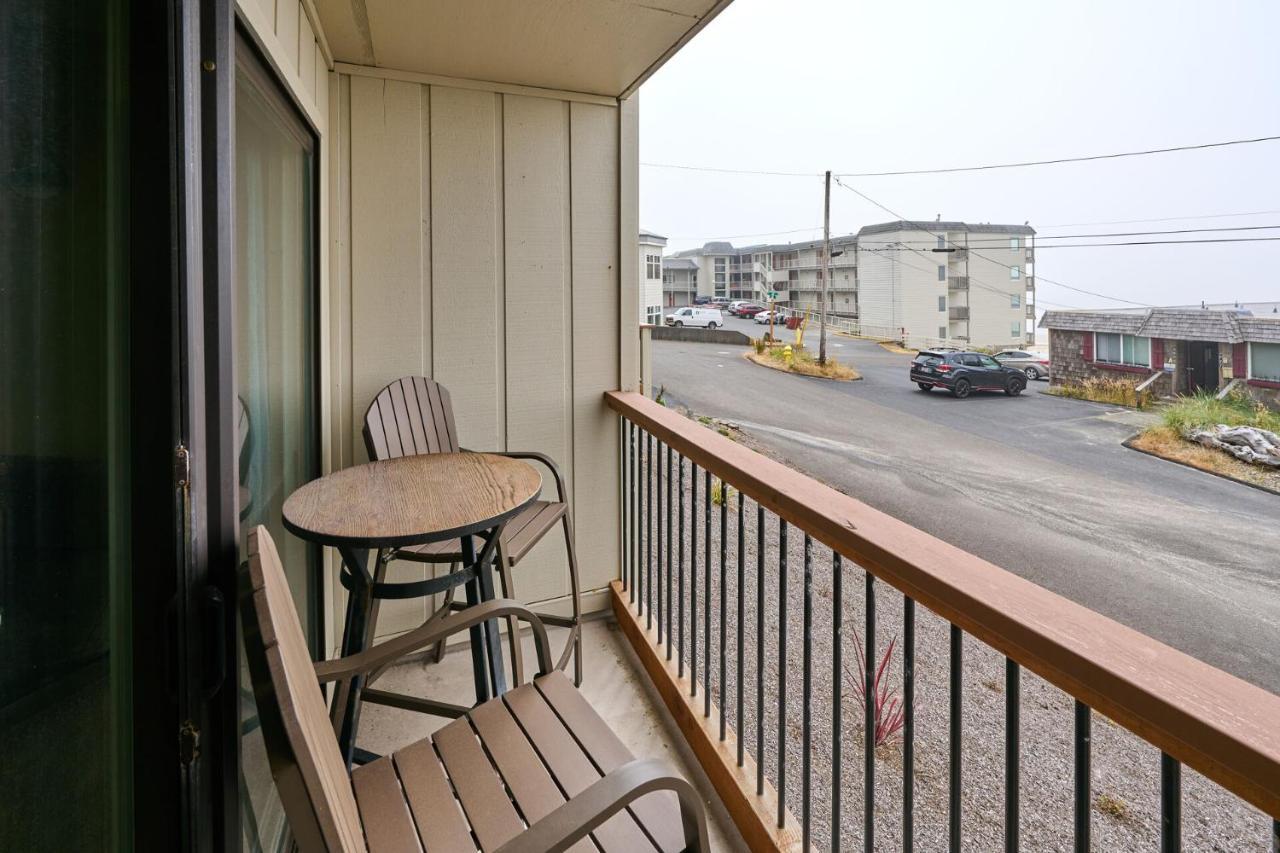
1191, 348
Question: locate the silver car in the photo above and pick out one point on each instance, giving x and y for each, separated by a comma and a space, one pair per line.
1033, 365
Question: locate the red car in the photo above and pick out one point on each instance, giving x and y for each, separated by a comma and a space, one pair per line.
748, 310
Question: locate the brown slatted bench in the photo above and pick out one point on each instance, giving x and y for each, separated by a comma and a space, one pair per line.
535, 769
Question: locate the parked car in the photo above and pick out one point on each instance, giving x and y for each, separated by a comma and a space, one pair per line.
748, 310
962, 373
763, 317
1033, 364
733, 306
720, 302
708, 318
702, 300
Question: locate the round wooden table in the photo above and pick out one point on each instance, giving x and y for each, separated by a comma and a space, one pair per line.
414, 500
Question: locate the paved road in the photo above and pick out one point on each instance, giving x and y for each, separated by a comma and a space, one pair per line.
1036, 484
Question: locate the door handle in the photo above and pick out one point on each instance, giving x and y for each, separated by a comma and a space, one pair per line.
214, 634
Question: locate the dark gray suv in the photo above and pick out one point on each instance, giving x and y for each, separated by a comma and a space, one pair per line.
962, 373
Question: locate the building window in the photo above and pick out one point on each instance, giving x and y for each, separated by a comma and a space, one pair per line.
1264, 362
1015, 243
668, 278
942, 242
942, 272
1015, 330
1015, 301
1015, 272
942, 303
1122, 349
942, 332
653, 266
720, 280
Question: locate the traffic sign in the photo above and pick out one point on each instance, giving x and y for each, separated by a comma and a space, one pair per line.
773, 294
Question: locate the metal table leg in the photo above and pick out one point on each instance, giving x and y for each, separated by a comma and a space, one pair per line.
354, 640
486, 651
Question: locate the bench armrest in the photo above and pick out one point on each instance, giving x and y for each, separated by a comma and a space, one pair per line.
607, 796
432, 632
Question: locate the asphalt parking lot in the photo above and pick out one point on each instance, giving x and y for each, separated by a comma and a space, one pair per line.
1037, 484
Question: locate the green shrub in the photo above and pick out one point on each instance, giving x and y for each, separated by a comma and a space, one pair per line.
1204, 410
1120, 392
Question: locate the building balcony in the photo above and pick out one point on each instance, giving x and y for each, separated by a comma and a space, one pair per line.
958, 312
957, 255
957, 282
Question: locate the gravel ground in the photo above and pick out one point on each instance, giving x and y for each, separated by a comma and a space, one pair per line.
1125, 773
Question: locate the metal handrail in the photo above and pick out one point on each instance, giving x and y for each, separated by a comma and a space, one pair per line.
1196, 714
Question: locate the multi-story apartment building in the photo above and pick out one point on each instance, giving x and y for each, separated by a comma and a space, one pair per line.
949, 280
954, 281
651, 246
679, 281
721, 270
799, 268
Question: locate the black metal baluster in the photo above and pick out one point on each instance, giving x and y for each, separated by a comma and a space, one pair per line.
724, 624
1170, 805
680, 577
742, 611
635, 515
1275, 835
693, 579
759, 649
806, 669
870, 728
648, 532
957, 730
837, 672
1083, 771
782, 672
908, 724
706, 599
622, 502
670, 551
1012, 751
657, 524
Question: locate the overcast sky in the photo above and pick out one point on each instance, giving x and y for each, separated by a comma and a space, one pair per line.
808, 85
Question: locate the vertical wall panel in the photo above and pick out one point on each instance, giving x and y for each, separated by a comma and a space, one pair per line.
287, 15
596, 338
466, 215
536, 234
307, 55
388, 291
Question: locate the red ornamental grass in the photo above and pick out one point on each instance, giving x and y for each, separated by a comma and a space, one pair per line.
889, 713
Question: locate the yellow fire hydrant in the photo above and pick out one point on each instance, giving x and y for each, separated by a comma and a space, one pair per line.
787, 354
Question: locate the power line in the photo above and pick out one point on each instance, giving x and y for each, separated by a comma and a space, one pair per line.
1164, 219
995, 241
1040, 248
761, 234
1039, 278
1060, 160
986, 167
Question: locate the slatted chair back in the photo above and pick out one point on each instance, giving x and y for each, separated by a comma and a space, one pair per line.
309, 772
412, 415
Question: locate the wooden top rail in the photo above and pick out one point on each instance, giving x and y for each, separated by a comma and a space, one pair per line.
1211, 721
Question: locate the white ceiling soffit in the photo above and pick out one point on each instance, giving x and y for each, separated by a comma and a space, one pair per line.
602, 47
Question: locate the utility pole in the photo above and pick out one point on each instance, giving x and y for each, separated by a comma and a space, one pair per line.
826, 270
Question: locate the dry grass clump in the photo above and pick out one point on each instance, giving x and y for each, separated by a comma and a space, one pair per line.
802, 361
1119, 392
1113, 807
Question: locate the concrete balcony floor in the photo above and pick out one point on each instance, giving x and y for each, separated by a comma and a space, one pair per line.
613, 683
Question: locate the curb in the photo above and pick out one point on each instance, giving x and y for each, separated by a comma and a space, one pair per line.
1128, 443
747, 355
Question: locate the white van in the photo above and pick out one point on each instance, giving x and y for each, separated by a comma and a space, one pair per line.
696, 315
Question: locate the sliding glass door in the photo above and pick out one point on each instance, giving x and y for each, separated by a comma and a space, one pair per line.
65, 438
276, 377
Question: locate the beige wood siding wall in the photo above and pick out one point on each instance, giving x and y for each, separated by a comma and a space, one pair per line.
284, 30
475, 240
